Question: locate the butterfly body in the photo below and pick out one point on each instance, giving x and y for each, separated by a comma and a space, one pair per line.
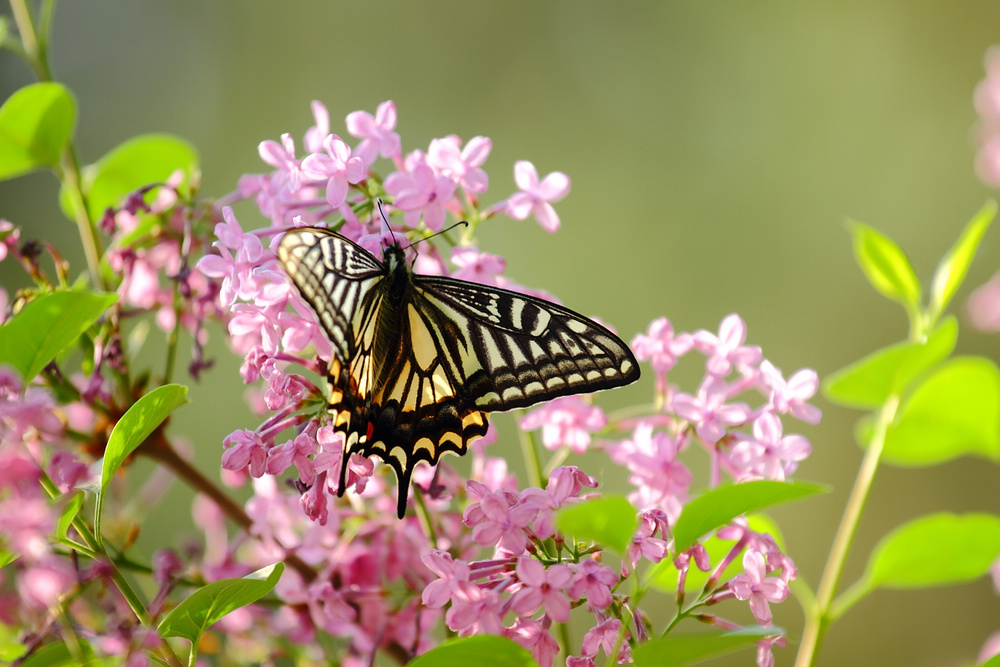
419, 360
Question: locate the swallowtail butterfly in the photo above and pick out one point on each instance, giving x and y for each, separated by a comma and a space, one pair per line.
419, 360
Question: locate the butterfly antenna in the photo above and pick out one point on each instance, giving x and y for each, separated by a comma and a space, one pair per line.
463, 223
385, 221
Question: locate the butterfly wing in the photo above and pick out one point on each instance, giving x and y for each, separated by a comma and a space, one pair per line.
389, 393
421, 360
334, 276
517, 350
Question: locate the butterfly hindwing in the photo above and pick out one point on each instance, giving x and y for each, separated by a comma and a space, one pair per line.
421, 360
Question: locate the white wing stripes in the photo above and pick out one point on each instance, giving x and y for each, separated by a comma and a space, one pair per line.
333, 276
530, 350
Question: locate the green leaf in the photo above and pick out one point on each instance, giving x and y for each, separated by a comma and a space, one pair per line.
36, 123
885, 265
935, 550
478, 650
138, 162
992, 662
57, 655
720, 506
133, 428
679, 651
869, 382
46, 326
10, 648
72, 508
610, 521
7, 557
209, 604
954, 265
954, 412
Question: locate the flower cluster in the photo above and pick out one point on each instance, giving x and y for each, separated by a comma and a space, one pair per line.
479, 552
501, 565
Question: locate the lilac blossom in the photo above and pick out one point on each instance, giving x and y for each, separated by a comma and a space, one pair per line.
758, 588
536, 197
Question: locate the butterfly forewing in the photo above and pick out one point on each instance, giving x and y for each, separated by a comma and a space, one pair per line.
529, 350
333, 275
422, 359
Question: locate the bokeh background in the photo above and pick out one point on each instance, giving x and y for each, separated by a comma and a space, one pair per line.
715, 151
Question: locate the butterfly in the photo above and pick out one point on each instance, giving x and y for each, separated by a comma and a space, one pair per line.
420, 360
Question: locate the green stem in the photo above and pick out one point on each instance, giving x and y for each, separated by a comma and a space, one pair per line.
529, 448
818, 622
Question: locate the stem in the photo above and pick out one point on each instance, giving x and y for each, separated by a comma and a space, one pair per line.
818, 622
529, 449
159, 449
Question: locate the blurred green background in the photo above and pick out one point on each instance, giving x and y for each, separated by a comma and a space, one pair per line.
715, 150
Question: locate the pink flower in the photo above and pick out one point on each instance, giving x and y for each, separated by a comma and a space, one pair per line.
791, 396
420, 191
316, 134
564, 483
769, 454
568, 421
238, 272
337, 166
764, 656
376, 133
756, 587
534, 636
282, 157
474, 610
660, 346
295, 452
709, 411
984, 302
10, 237
475, 266
40, 586
644, 545
496, 520
245, 449
542, 587
535, 196
605, 637
726, 349
594, 582
660, 478
451, 574
461, 164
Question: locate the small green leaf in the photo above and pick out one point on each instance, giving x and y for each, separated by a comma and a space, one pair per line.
720, 506
72, 508
935, 550
7, 557
10, 648
46, 326
57, 655
477, 650
953, 412
680, 651
869, 382
954, 265
885, 265
138, 162
36, 123
210, 603
610, 521
133, 428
